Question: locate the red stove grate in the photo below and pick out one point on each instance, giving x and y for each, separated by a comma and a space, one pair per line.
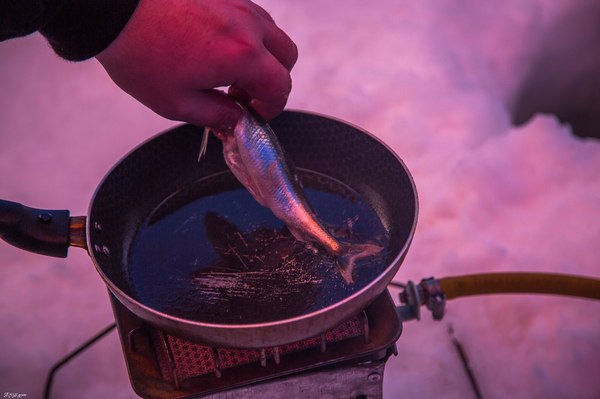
179, 359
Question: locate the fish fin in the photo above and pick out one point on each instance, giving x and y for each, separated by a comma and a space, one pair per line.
204, 144
298, 180
351, 254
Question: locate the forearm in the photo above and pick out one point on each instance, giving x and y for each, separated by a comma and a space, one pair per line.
76, 29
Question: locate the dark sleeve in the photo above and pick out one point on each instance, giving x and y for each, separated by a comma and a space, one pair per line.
76, 29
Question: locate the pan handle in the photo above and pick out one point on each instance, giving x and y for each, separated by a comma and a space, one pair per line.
46, 232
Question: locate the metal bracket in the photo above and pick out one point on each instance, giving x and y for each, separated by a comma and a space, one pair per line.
412, 296
435, 297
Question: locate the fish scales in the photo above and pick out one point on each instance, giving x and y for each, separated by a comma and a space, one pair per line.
274, 184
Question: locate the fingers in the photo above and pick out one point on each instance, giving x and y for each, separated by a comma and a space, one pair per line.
277, 41
259, 77
267, 83
266, 86
282, 47
262, 12
209, 108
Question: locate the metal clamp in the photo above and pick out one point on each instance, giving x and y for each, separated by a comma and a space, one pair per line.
435, 298
429, 293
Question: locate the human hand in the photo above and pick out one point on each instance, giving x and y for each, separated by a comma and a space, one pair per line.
173, 54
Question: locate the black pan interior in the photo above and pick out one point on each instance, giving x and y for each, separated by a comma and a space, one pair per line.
163, 174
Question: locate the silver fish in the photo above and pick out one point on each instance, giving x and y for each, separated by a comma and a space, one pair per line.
258, 161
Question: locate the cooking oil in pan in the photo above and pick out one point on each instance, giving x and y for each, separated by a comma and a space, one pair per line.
211, 253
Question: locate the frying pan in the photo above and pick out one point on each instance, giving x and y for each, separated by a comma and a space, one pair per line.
163, 167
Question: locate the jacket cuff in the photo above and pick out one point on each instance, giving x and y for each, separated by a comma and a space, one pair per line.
83, 28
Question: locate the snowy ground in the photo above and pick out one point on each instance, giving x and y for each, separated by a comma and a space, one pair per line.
441, 83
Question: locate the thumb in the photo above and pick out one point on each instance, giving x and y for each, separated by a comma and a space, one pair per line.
209, 108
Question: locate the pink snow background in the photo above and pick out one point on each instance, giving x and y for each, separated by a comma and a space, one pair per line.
436, 80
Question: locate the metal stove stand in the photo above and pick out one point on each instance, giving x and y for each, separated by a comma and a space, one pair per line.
326, 366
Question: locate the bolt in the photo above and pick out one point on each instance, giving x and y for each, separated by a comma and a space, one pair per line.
45, 218
374, 377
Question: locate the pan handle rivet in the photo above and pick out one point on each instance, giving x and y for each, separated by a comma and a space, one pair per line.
97, 227
106, 250
97, 248
374, 377
45, 217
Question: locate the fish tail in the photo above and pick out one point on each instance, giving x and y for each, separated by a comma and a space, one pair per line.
351, 254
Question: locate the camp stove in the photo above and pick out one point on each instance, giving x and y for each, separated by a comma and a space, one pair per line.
345, 362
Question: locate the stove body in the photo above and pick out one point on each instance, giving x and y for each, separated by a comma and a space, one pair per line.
347, 361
